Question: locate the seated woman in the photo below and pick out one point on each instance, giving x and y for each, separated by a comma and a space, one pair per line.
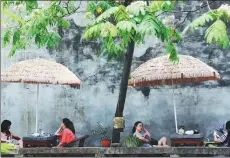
227, 140
221, 136
7, 136
66, 133
140, 132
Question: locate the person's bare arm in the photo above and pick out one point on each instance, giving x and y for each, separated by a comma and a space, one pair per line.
216, 140
57, 133
15, 137
3, 140
142, 139
147, 132
60, 145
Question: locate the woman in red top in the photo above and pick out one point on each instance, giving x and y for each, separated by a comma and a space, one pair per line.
66, 132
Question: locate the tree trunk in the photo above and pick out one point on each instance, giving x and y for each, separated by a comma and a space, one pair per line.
123, 88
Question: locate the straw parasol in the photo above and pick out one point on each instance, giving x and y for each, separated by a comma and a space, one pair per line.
160, 71
39, 71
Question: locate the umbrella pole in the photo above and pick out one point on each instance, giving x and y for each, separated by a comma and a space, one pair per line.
175, 115
36, 128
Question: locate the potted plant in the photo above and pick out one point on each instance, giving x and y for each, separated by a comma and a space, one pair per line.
102, 131
131, 141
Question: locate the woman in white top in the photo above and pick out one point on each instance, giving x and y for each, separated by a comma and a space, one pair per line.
7, 136
140, 132
221, 136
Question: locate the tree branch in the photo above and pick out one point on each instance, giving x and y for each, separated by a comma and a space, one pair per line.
188, 13
183, 20
192, 12
185, 11
161, 13
208, 6
74, 11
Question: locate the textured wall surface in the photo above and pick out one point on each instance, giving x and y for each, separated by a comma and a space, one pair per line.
199, 106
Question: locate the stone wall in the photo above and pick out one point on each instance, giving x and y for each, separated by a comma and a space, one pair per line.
199, 106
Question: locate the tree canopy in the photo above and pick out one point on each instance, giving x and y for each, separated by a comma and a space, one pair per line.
117, 25
33, 22
217, 31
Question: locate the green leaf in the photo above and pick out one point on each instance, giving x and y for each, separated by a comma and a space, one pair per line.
93, 31
107, 14
31, 4
43, 39
103, 4
155, 5
137, 7
223, 13
6, 37
172, 52
167, 6
121, 14
138, 19
126, 26
108, 29
91, 6
206, 18
217, 32
6, 4
161, 6
148, 26
38, 40
22, 43
202, 20
16, 36
131, 141
13, 50
53, 39
173, 35
64, 23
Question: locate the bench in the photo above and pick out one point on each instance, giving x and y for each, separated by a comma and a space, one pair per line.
119, 151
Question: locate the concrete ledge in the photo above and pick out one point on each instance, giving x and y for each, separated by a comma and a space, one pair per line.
71, 150
170, 150
203, 151
100, 152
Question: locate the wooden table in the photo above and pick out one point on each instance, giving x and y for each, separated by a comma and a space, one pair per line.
51, 141
187, 140
39, 141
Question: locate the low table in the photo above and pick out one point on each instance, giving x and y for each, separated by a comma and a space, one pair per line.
42, 141
187, 140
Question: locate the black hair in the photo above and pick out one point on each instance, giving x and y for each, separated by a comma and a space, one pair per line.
135, 125
69, 124
227, 140
5, 127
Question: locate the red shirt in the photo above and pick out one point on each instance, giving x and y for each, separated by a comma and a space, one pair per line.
67, 136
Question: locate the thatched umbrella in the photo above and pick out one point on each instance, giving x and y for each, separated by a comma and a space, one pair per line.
160, 71
39, 71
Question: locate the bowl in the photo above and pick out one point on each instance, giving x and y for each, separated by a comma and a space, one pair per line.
189, 132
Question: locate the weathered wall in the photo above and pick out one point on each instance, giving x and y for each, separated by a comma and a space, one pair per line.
199, 106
